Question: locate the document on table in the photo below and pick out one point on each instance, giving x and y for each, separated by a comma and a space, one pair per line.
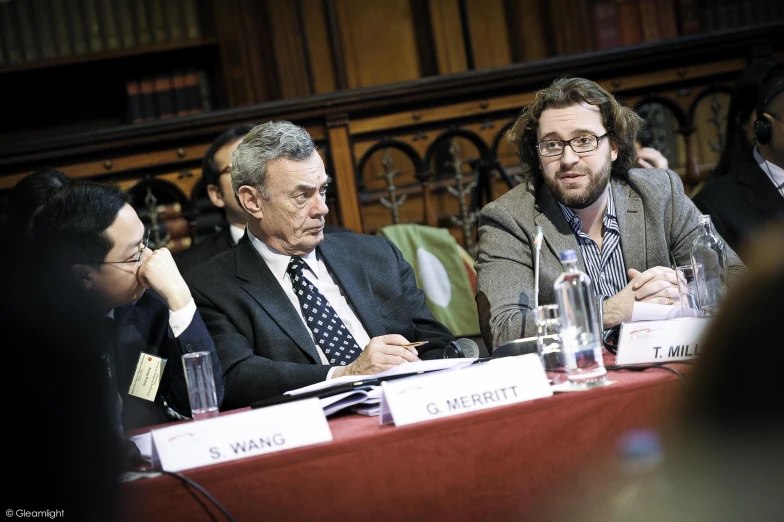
342, 401
409, 368
654, 312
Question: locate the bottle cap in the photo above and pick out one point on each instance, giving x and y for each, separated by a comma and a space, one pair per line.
568, 256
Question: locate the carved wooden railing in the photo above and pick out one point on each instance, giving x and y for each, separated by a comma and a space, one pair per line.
388, 147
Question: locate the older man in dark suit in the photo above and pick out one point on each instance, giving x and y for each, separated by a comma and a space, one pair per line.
288, 307
577, 144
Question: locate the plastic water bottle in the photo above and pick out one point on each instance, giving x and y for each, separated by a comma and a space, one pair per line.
581, 338
709, 260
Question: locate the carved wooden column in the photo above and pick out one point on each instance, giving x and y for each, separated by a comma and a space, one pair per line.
343, 165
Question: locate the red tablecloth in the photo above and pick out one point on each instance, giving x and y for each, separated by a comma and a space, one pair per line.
495, 464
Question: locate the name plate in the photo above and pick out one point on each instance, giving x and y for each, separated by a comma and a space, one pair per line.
240, 435
477, 387
648, 342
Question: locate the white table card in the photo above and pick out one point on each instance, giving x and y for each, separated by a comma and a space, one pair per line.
240, 435
647, 342
477, 387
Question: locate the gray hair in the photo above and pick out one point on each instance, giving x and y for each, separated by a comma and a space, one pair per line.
266, 142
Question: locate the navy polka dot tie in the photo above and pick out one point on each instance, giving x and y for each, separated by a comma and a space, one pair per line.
330, 333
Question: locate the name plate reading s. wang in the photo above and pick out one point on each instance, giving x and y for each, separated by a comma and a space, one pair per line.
237, 436
670, 340
478, 387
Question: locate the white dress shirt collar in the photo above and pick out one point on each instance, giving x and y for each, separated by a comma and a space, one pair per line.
236, 233
278, 262
773, 172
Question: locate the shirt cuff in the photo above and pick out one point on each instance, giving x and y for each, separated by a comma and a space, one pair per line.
181, 319
331, 371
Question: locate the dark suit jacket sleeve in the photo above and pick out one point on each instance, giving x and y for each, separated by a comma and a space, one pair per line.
249, 377
413, 301
685, 229
704, 202
195, 338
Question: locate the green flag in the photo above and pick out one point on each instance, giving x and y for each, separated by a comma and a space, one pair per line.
440, 273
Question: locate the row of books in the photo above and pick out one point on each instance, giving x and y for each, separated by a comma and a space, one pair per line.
34, 30
180, 93
613, 23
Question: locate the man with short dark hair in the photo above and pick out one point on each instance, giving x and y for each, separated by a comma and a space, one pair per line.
577, 146
289, 306
216, 173
100, 246
751, 194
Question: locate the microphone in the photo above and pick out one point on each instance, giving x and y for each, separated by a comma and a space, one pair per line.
465, 348
516, 347
538, 246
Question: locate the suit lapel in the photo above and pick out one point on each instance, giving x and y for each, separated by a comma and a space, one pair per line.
631, 222
558, 235
132, 326
258, 281
353, 280
758, 191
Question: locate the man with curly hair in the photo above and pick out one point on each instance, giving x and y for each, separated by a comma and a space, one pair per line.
577, 146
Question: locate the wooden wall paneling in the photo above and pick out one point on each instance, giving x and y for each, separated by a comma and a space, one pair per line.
288, 49
343, 172
322, 63
489, 33
120, 165
525, 24
677, 74
424, 38
184, 183
440, 113
447, 36
243, 84
379, 44
259, 46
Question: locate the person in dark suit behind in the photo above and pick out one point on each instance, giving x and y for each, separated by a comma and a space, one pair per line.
289, 306
216, 171
751, 194
27, 197
98, 241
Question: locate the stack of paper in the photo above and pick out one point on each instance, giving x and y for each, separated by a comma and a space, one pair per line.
409, 368
341, 401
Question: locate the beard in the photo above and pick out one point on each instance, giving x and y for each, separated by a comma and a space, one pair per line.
583, 197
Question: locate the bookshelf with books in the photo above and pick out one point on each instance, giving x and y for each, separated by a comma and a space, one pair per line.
73, 65
150, 110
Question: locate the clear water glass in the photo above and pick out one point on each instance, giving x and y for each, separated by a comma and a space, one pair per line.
201, 385
687, 290
548, 337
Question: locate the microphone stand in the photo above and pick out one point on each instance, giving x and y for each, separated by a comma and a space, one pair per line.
538, 246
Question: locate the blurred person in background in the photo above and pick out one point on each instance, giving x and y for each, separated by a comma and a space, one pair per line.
27, 197
749, 192
61, 439
722, 458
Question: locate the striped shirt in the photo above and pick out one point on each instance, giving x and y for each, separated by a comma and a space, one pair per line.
605, 267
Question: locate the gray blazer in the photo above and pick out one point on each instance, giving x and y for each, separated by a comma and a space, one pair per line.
655, 217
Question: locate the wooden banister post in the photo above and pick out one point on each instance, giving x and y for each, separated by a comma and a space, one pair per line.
343, 165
